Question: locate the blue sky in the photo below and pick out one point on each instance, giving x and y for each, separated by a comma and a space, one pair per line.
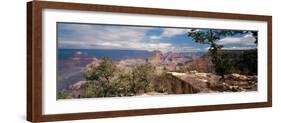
94, 36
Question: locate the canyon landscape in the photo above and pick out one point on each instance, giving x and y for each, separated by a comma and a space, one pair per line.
115, 61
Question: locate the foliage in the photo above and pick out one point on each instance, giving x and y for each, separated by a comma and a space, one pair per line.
142, 77
102, 79
63, 95
247, 63
106, 80
123, 84
93, 90
161, 85
223, 65
104, 72
210, 37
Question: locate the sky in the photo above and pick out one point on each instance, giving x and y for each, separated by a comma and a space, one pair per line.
97, 36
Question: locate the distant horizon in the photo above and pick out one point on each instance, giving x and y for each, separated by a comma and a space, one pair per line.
125, 50
148, 50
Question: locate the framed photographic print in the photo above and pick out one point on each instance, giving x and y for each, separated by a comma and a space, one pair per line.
89, 61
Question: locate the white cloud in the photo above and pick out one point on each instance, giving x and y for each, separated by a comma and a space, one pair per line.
170, 32
118, 37
92, 36
151, 46
155, 37
187, 48
109, 44
102, 37
237, 48
245, 40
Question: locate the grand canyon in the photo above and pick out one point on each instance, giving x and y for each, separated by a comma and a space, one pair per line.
187, 72
106, 60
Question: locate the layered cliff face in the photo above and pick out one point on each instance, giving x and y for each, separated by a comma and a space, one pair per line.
69, 68
196, 82
156, 57
201, 64
77, 59
169, 60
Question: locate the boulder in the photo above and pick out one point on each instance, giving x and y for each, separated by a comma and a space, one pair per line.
238, 76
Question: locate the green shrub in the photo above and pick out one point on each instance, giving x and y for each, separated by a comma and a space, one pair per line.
63, 95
